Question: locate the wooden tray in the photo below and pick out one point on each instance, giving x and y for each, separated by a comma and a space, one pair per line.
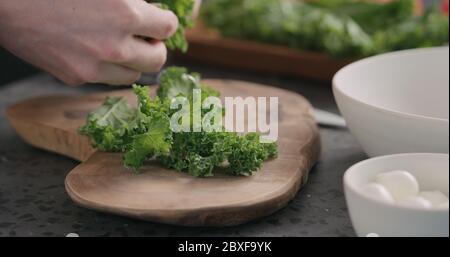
160, 195
208, 47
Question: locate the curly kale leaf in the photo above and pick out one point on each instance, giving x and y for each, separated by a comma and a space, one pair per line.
183, 9
146, 105
111, 125
197, 153
248, 154
201, 152
153, 135
176, 81
144, 132
156, 140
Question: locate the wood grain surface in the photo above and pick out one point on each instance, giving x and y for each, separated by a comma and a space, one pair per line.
160, 195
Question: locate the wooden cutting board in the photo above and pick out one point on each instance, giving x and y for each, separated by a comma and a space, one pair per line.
209, 47
161, 195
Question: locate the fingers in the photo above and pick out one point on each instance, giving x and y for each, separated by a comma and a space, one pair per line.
197, 6
124, 62
113, 74
121, 61
155, 22
145, 56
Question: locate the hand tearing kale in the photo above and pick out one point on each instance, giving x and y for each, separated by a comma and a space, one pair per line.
183, 9
144, 133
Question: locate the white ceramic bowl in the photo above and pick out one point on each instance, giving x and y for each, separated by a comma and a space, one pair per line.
397, 102
371, 216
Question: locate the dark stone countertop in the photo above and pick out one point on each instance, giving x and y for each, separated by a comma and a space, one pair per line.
33, 201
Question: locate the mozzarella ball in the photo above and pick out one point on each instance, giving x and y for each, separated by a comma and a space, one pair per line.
436, 198
401, 184
415, 202
377, 192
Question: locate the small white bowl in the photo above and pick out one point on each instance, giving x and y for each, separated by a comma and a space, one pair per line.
397, 102
373, 217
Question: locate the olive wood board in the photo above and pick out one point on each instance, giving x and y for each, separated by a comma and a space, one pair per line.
157, 194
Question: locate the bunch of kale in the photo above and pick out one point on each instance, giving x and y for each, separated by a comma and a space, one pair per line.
144, 133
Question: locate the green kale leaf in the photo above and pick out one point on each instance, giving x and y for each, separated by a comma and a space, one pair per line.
144, 133
176, 81
183, 9
156, 140
111, 126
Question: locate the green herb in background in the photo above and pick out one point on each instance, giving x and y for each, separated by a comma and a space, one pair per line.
370, 16
144, 132
340, 28
291, 23
428, 30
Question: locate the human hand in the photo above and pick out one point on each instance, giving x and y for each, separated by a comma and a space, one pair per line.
197, 6
81, 41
